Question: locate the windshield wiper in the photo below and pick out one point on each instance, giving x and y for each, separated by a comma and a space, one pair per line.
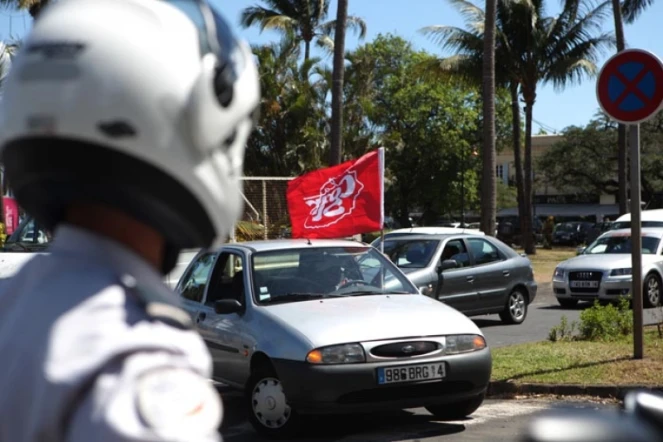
372, 293
303, 296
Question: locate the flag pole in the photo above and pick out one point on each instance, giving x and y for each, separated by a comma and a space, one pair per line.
381, 165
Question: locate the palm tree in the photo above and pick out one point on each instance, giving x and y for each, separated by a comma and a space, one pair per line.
303, 17
558, 50
488, 184
467, 66
336, 147
531, 50
34, 7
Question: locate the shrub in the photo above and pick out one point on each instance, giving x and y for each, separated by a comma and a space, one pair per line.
564, 331
606, 322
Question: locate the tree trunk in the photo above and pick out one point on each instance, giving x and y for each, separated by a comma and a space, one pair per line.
307, 50
336, 148
488, 184
36, 8
527, 216
622, 150
517, 158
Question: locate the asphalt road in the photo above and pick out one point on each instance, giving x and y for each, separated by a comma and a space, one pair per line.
544, 314
496, 420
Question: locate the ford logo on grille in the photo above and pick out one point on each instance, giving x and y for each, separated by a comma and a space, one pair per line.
584, 275
407, 349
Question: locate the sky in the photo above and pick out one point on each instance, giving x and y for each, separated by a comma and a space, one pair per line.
554, 110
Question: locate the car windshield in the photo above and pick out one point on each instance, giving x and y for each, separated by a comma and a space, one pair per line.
621, 244
293, 275
409, 253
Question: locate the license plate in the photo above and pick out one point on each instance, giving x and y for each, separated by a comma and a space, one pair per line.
411, 373
585, 284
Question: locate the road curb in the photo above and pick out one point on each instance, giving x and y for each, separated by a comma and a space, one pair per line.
602, 391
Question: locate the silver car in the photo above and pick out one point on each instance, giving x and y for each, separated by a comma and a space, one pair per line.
603, 270
322, 326
475, 274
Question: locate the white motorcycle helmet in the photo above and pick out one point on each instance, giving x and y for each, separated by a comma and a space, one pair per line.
143, 105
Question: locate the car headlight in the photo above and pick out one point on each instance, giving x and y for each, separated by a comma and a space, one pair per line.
337, 354
559, 274
464, 344
621, 272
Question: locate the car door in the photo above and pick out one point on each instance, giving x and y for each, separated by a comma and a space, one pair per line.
491, 274
227, 335
191, 286
457, 285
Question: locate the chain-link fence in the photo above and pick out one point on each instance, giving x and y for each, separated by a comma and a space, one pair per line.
265, 209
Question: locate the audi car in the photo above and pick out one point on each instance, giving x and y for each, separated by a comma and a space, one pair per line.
602, 271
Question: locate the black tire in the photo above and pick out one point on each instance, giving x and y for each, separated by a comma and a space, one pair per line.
567, 303
457, 410
515, 310
285, 426
651, 291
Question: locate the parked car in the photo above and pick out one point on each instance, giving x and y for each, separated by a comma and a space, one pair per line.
509, 232
571, 233
596, 230
474, 274
28, 237
330, 326
603, 270
648, 218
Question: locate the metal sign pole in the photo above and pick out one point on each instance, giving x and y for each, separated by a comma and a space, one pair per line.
636, 242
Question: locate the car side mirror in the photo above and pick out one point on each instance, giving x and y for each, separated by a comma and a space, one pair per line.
447, 264
580, 250
227, 306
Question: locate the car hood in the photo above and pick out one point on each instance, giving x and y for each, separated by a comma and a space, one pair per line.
370, 318
605, 261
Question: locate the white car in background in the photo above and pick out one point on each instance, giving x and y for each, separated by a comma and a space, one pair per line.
603, 270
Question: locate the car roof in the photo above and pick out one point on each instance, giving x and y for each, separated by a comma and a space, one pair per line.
432, 230
431, 236
655, 231
645, 215
285, 244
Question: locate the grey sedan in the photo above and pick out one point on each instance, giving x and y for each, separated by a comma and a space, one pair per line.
603, 270
475, 274
330, 326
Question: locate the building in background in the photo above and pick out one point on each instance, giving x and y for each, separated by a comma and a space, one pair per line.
548, 200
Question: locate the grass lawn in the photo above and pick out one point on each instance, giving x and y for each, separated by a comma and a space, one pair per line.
584, 363
545, 261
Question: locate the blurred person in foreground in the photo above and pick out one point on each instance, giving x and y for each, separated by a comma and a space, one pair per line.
123, 129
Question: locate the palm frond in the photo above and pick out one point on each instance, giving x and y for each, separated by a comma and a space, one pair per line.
631, 9
355, 24
267, 19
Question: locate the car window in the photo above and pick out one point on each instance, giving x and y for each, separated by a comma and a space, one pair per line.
192, 285
411, 253
455, 249
299, 274
483, 251
227, 280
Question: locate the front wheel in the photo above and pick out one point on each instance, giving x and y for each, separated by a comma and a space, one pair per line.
457, 410
515, 310
652, 290
268, 408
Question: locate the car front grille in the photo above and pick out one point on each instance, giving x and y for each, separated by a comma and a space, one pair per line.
405, 349
585, 275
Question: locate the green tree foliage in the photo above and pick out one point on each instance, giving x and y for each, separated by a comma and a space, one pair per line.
585, 158
429, 128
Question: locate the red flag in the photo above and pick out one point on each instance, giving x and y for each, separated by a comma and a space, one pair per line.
339, 201
11, 214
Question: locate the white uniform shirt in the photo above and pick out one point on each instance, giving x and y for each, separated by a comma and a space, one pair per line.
81, 360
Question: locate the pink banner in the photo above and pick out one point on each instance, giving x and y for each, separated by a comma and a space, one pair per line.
11, 214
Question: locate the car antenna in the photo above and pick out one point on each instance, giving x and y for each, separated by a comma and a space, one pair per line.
308, 241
